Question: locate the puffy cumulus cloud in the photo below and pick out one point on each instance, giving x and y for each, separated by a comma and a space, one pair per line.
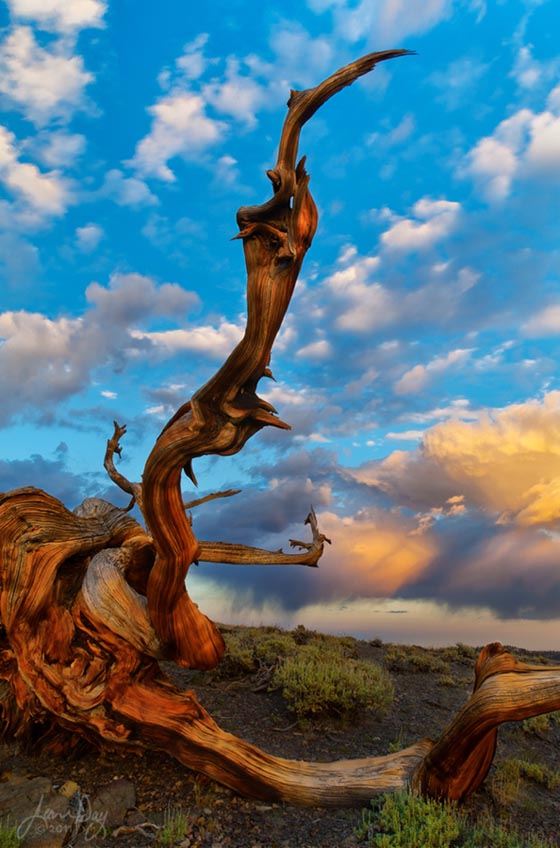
43, 361
88, 237
46, 194
356, 300
546, 322
318, 351
214, 342
193, 115
127, 191
130, 298
417, 377
180, 127
525, 146
362, 304
299, 53
237, 94
43, 82
434, 221
57, 148
506, 463
386, 21
60, 15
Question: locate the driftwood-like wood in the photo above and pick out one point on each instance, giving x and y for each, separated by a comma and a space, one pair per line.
91, 600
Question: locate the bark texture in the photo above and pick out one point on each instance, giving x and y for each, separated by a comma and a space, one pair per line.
90, 600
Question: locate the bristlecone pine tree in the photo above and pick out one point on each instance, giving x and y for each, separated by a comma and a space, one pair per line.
91, 600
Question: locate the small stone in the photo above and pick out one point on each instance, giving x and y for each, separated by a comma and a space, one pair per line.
111, 803
68, 789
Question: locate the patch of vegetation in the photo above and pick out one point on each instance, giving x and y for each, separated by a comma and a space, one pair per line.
9, 835
320, 680
318, 674
402, 820
505, 784
460, 653
537, 725
447, 680
538, 773
415, 659
250, 649
175, 827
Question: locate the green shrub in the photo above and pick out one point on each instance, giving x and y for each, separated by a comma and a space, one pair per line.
406, 821
248, 649
402, 820
414, 659
537, 724
319, 679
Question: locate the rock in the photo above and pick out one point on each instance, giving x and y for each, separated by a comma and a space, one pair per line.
69, 789
112, 802
41, 815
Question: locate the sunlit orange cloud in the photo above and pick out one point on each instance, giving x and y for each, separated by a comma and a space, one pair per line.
506, 462
371, 556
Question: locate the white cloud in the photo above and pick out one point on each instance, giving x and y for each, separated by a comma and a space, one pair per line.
415, 379
361, 304
544, 323
65, 16
405, 435
303, 60
435, 219
214, 342
46, 193
226, 172
394, 137
43, 82
88, 237
385, 22
316, 351
526, 70
58, 148
43, 361
192, 63
128, 191
237, 95
524, 146
180, 127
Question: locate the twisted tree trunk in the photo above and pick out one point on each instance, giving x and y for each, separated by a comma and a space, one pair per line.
90, 600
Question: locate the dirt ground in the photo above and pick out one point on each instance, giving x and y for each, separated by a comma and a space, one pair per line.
429, 691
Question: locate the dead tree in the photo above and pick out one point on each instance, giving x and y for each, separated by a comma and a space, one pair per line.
91, 600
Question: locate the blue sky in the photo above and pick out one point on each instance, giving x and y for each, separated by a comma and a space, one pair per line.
418, 361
